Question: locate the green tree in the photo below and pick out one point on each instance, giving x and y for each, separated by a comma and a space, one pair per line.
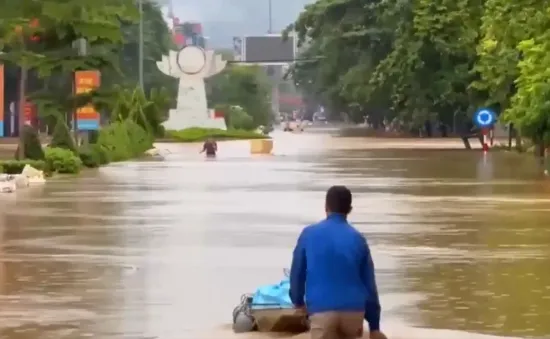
244, 86
157, 41
410, 59
513, 65
61, 136
38, 36
428, 60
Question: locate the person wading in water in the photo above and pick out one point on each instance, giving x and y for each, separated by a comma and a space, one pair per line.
210, 147
332, 275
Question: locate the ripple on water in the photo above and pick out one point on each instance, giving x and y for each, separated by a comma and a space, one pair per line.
145, 249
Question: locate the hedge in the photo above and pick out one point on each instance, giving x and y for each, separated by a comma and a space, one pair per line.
16, 166
116, 142
195, 134
56, 160
124, 140
62, 160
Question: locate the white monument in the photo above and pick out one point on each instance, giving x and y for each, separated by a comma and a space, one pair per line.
191, 65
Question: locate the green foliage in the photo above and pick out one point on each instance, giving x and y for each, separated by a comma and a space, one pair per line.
147, 111
101, 154
196, 134
423, 60
119, 141
110, 31
410, 60
92, 137
157, 41
61, 136
236, 118
62, 160
124, 140
59, 25
157, 112
16, 166
530, 105
93, 155
244, 86
32, 145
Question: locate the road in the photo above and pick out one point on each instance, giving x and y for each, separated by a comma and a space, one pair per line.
164, 249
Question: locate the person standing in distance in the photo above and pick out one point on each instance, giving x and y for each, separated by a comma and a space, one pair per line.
210, 147
332, 275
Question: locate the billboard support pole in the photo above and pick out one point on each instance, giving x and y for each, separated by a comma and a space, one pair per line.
270, 31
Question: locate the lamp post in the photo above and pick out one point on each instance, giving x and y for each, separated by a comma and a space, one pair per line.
140, 58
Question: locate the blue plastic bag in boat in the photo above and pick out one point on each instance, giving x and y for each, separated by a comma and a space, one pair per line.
272, 296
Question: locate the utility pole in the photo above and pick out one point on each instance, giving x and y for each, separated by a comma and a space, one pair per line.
270, 31
21, 116
82, 47
140, 2
22, 103
271, 69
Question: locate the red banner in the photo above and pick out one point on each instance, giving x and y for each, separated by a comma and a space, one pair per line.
30, 113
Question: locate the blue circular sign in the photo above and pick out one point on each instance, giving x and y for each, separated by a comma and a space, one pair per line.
484, 118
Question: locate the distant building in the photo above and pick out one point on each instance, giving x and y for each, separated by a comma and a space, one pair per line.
188, 34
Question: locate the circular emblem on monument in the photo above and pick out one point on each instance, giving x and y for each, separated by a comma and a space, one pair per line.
191, 59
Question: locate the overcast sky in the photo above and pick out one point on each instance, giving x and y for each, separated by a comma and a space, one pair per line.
225, 18
236, 10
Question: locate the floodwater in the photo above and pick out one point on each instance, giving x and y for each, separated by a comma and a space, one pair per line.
163, 249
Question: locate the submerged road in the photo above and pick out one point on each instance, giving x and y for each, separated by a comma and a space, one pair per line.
165, 248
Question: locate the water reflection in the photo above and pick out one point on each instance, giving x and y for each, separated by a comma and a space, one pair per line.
164, 248
478, 250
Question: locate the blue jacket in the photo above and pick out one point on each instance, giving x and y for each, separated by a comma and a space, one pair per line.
332, 270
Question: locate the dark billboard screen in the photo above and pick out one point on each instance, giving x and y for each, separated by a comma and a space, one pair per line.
268, 49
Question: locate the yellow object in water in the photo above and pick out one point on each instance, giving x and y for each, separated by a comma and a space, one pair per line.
261, 146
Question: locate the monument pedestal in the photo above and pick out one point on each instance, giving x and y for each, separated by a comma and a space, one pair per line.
182, 119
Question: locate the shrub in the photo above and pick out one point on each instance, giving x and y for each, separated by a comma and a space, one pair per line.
62, 160
16, 166
157, 109
93, 156
124, 140
240, 119
236, 117
140, 139
161, 132
195, 134
88, 157
114, 138
61, 137
101, 153
92, 137
33, 147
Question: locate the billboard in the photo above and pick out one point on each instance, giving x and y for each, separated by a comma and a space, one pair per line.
87, 118
269, 49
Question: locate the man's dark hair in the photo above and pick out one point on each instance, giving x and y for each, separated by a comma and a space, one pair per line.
338, 200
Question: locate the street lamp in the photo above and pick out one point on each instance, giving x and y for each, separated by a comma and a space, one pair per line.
140, 58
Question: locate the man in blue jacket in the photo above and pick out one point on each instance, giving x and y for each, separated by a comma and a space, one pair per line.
332, 275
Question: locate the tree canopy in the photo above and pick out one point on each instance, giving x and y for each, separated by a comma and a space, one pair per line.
244, 86
41, 36
428, 59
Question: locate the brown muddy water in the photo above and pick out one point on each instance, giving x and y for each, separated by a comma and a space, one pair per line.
163, 249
